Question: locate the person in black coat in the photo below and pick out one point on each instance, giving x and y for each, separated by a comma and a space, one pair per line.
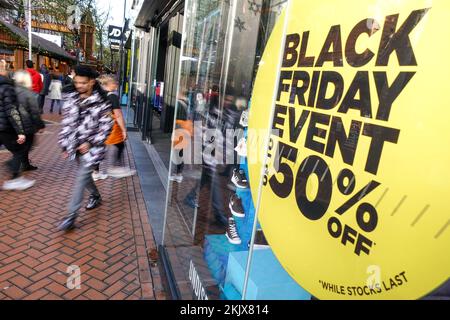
12, 134
46, 85
30, 114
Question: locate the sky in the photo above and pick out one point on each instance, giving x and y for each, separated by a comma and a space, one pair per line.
116, 14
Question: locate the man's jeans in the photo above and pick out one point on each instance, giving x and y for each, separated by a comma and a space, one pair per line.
84, 181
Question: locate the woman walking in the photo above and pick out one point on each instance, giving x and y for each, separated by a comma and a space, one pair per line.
29, 112
55, 93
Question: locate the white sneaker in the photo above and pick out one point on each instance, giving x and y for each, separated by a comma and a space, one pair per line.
121, 172
99, 176
18, 184
241, 147
231, 232
176, 177
244, 118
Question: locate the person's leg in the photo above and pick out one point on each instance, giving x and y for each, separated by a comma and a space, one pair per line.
83, 181
60, 104
41, 103
115, 153
217, 199
120, 147
26, 157
17, 150
51, 105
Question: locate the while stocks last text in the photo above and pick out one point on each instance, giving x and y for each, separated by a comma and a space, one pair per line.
366, 290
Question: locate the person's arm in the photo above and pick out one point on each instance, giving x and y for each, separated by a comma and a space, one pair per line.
105, 123
39, 82
33, 106
10, 103
118, 114
66, 123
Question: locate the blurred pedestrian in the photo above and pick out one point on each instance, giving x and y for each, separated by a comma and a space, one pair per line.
55, 93
29, 113
36, 79
12, 134
118, 136
46, 79
86, 124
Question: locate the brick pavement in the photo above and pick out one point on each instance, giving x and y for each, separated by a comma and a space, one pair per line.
113, 244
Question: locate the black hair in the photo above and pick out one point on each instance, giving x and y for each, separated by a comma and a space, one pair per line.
29, 63
84, 71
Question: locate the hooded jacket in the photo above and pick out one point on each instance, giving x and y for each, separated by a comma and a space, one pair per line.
10, 120
36, 80
46, 82
29, 110
85, 120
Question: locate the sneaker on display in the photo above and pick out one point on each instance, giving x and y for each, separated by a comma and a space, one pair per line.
121, 172
241, 147
99, 176
239, 179
232, 234
18, 184
236, 207
260, 240
244, 118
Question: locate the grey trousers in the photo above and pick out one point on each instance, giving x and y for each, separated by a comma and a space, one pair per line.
84, 181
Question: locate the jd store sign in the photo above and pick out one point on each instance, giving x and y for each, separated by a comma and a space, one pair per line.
114, 33
355, 197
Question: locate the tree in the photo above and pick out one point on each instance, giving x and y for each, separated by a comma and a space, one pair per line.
52, 12
100, 21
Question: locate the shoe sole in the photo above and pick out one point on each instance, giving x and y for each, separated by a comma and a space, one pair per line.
234, 213
67, 229
96, 179
261, 246
98, 205
232, 241
234, 180
118, 176
18, 189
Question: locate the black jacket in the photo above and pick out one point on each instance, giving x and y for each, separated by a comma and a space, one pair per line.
10, 120
29, 110
45, 83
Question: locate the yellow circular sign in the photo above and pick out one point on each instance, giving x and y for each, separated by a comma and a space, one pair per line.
355, 195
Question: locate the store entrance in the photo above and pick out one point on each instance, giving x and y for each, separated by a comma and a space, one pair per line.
160, 116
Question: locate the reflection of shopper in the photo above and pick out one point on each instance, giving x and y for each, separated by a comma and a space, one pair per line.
184, 123
116, 140
55, 93
210, 173
29, 113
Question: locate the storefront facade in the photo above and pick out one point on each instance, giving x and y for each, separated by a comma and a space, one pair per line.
154, 50
284, 119
14, 49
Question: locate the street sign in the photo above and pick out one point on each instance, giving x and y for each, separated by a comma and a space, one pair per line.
114, 33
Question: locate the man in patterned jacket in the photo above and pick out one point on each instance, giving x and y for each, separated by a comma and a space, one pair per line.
86, 124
